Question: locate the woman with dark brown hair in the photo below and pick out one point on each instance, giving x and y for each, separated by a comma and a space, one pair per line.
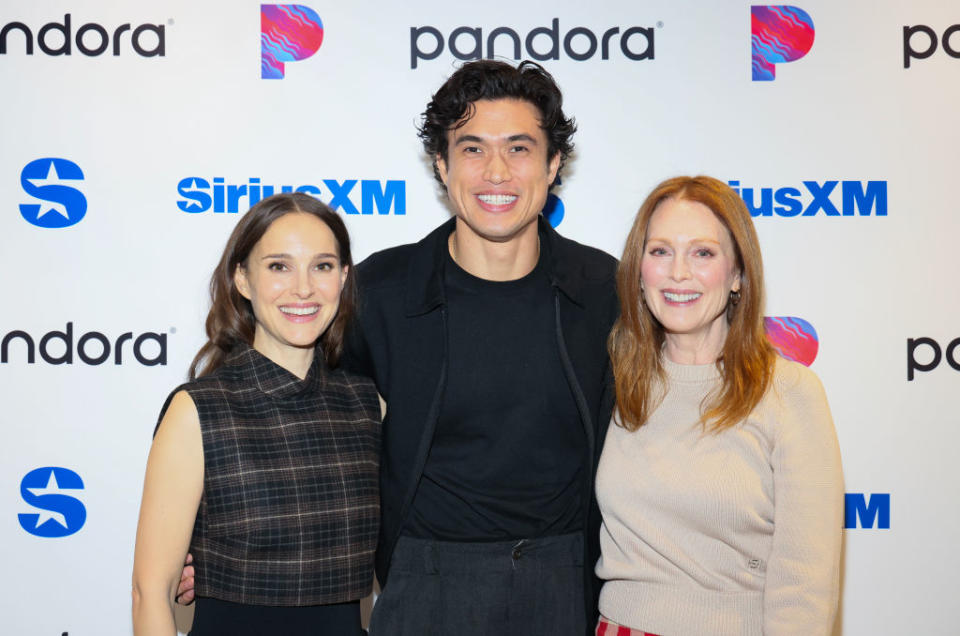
720, 485
265, 464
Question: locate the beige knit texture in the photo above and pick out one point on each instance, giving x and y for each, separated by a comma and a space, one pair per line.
736, 532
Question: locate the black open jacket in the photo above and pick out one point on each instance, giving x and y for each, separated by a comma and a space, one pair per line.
399, 339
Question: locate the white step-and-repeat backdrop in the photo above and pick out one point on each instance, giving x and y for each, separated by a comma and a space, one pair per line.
134, 134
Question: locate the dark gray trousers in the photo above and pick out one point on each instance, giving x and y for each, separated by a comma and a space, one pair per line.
530, 587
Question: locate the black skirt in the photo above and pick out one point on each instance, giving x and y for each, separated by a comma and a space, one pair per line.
214, 617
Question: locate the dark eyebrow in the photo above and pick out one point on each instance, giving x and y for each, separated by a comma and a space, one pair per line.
471, 139
282, 255
474, 139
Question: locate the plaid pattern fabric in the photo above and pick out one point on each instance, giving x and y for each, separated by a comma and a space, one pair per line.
607, 627
290, 508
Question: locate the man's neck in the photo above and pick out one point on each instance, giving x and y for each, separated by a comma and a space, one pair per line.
495, 260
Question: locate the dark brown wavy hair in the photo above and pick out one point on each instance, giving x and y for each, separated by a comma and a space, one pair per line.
635, 344
453, 105
231, 318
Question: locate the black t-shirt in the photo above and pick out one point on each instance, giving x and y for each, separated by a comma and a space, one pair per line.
509, 447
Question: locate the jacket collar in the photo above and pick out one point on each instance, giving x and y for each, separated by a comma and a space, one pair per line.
566, 265
268, 376
425, 270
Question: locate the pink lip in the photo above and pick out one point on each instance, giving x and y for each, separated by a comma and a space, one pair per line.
304, 318
490, 207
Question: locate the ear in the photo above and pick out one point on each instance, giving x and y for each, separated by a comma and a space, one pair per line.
552, 167
241, 282
736, 283
343, 276
441, 168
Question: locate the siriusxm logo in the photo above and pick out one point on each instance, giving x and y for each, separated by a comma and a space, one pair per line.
542, 43
911, 53
93, 347
793, 338
49, 179
950, 353
51, 490
92, 39
288, 33
859, 512
778, 34
201, 195
857, 198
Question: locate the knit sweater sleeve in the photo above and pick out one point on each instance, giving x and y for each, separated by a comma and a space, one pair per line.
802, 583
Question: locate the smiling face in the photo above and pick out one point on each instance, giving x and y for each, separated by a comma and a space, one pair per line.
293, 280
687, 271
497, 172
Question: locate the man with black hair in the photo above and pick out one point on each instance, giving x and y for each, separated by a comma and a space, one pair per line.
487, 340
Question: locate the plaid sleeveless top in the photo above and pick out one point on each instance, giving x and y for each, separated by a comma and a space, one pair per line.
289, 514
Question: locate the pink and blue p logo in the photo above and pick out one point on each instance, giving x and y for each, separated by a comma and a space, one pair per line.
288, 33
793, 338
779, 33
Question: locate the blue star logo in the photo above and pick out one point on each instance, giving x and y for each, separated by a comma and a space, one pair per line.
51, 490
51, 180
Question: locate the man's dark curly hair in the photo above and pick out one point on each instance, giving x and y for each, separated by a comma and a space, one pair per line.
452, 105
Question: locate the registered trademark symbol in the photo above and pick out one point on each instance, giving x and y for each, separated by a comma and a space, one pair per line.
659, 24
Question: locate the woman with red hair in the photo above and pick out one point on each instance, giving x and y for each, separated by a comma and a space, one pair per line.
720, 485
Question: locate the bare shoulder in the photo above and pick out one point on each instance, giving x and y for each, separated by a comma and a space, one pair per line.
175, 463
181, 422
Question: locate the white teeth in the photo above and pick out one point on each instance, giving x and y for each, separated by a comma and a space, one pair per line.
497, 199
300, 311
681, 298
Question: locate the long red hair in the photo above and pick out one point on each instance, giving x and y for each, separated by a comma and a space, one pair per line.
636, 341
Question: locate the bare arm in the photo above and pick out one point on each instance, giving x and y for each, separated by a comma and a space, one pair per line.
171, 495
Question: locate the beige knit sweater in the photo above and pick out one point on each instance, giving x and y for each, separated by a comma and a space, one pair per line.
730, 533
